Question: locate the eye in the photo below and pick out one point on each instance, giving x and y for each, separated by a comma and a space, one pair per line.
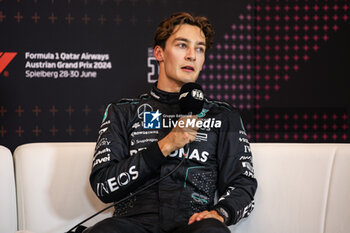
200, 49
181, 45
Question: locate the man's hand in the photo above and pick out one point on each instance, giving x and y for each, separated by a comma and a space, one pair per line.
178, 136
204, 215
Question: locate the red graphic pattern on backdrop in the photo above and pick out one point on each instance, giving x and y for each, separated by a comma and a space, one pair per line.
283, 36
288, 34
5, 59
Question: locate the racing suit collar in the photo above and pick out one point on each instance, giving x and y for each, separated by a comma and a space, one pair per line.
163, 96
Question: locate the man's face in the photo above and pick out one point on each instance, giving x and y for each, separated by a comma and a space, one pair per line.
183, 56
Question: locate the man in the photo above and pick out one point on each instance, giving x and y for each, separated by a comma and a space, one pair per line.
129, 156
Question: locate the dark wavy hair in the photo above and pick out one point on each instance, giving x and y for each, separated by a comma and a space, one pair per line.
166, 28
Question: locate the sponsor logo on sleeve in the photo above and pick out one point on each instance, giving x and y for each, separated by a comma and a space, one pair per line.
102, 142
136, 125
105, 123
100, 152
101, 132
245, 157
243, 213
250, 170
243, 132
102, 160
114, 183
228, 193
247, 149
243, 140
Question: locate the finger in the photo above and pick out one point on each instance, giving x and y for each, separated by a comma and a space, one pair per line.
192, 136
201, 215
209, 215
192, 218
197, 216
214, 214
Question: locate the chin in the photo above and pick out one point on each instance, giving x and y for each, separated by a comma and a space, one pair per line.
189, 79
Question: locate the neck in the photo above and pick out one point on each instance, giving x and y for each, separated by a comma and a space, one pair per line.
172, 87
167, 84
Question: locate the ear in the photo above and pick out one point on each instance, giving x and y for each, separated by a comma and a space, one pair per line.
158, 53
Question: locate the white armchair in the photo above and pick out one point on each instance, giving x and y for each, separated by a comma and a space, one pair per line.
53, 192
8, 213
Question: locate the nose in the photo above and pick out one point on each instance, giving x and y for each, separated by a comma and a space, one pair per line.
190, 55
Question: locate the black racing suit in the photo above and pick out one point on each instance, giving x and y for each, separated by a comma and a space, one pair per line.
127, 158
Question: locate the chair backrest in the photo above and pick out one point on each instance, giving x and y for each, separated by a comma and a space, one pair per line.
302, 188
53, 192
8, 212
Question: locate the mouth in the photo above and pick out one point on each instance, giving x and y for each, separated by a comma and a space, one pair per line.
187, 68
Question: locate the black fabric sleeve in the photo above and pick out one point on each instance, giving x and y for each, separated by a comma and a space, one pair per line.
115, 173
236, 182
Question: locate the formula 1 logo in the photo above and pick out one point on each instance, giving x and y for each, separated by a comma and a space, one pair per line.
5, 59
151, 120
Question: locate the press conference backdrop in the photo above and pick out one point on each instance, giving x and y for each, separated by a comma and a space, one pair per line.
284, 64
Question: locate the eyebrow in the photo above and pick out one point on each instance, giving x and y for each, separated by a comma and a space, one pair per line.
187, 40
